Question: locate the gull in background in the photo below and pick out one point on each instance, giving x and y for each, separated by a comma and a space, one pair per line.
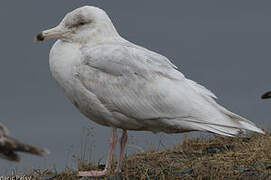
266, 95
118, 84
9, 147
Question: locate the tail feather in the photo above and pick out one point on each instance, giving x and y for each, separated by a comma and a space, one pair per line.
241, 122
233, 123
21, 147
226, 131
230, 131
9, 148
233, 127
251, 127
217, 130
33, 150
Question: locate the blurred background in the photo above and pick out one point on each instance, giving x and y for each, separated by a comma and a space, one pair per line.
223, 45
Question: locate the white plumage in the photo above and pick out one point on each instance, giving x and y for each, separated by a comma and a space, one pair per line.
121, 85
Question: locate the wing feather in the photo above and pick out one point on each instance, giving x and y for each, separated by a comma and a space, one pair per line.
146, 88
132, 81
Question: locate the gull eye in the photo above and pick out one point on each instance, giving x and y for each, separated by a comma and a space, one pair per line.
78, 24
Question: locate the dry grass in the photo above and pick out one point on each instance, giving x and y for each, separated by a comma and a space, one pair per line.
197, 158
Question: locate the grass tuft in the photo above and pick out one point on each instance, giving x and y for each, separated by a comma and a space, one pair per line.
196, 158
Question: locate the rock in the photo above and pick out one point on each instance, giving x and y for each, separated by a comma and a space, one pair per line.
268, 166
48, 176
258, 165
211, 150
187, 171
218, 148
177, 164
250, 173
241, 169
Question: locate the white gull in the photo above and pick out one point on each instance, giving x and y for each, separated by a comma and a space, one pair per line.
118, 84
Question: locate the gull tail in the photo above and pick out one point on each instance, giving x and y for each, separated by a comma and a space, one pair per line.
232, 125
239, 125
243, 123
31, 149
228, 124
21, 147
12, 146
234, 122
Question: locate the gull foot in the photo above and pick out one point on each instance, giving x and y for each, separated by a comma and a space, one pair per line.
93, 173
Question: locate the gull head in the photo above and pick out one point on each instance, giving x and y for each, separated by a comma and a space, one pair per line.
82, 25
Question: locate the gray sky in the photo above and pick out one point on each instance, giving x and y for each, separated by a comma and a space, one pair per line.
224, 45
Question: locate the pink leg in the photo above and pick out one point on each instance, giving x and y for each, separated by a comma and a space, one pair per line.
107, 169
123, 141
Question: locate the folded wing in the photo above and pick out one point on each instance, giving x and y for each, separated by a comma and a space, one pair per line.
146, 87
